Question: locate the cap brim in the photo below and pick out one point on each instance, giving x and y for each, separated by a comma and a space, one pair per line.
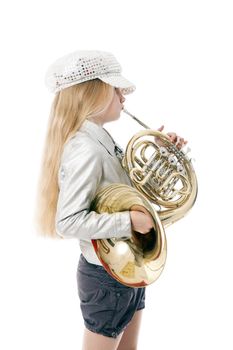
120, 82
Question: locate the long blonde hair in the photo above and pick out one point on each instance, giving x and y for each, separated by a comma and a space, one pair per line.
70, 107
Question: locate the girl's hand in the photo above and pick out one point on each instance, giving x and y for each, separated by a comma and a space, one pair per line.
141, 222
174, 138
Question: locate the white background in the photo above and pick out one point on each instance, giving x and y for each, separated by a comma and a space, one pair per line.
179, 54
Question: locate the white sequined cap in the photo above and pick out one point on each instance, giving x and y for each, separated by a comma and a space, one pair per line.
80, 66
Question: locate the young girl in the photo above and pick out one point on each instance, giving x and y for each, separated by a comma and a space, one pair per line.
79, 158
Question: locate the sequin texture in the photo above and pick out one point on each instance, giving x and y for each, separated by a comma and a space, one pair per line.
80, 66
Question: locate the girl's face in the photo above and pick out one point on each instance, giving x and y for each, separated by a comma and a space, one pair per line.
116, 106
114, 109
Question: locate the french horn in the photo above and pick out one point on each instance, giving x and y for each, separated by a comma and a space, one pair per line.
164, 187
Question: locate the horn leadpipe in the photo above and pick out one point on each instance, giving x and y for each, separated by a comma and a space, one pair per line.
137, 120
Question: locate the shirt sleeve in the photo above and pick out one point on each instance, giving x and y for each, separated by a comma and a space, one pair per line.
79, 180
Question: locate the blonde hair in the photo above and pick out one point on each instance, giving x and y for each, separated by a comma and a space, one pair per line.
70, 107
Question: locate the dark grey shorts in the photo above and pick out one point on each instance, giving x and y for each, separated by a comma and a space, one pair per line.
107, 306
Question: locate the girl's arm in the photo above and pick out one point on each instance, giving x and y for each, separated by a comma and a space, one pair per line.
82, 173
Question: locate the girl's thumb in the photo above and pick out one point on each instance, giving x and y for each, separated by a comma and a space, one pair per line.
161, 128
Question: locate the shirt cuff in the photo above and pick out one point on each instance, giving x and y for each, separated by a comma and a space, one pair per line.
123, 224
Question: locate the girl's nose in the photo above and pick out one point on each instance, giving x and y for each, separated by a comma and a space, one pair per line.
122, 98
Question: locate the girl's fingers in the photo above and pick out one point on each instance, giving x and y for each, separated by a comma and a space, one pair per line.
174, 138
177, 140
180, 140
181, 144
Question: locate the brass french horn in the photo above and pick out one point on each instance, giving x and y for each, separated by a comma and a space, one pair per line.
165, 187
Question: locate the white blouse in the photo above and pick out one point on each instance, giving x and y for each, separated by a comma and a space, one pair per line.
88, 163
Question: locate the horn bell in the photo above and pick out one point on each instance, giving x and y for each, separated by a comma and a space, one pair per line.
136, 261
